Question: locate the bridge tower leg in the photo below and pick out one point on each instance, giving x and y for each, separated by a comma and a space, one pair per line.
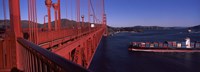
55, 6
11, 49
48, 4
104, 19
105, 25
59, 17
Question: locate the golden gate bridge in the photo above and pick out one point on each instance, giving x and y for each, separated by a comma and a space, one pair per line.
50, 47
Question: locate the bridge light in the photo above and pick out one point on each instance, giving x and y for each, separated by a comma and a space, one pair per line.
92, 25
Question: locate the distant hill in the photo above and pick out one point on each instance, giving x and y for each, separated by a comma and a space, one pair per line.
195, 28
65, 23
141, 28
24, 23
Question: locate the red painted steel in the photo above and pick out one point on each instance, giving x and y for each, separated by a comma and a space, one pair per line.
75, 44
10, 46
59, 15
1, 55
32, 21
48, 4
37, 59
55, 6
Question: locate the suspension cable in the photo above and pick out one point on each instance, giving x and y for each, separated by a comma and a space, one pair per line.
92, 9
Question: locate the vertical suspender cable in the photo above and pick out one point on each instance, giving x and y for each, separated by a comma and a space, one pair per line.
30, 12
77, 15
88, 13
4, 12
35, 21
66, 14
78, 12
29, 21
4, 47
71, 9
65, 21
94, 14
36, 24
33, 10
58, 13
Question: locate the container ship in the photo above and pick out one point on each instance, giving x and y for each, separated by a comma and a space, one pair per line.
167, 46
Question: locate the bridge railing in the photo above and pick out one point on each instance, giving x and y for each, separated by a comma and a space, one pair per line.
37, 59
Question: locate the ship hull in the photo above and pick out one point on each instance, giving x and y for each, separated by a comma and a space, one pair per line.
145, 49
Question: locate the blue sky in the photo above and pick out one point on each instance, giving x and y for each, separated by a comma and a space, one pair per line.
125, 13
153, 12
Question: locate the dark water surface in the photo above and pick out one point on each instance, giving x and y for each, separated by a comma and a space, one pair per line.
112, 54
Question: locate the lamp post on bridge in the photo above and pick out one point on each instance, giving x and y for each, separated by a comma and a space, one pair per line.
44, 25
82, 21
90, 23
